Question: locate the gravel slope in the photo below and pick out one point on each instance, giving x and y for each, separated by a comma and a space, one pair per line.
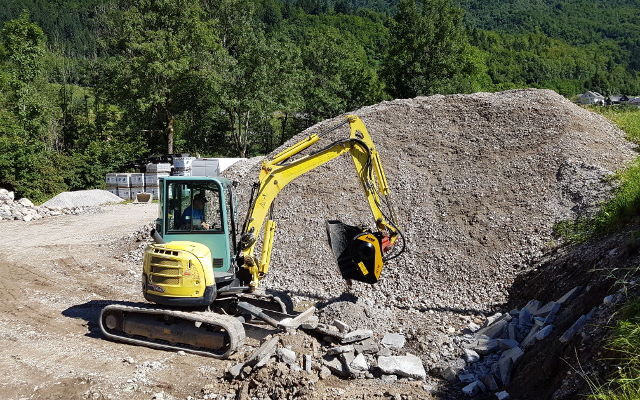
478, 182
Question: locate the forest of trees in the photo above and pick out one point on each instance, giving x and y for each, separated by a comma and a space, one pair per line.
86, 85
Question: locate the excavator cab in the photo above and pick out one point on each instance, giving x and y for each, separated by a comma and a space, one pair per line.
195, 236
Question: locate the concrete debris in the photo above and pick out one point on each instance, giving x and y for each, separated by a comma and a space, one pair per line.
506, 344
485, 346
393, 341
359, 363
532, 306
573, 329
82, 198
544, 332
340, 349
570, 295
325, 372
473, 327
470, 356
514, 354
367, 346
473, 388
24, 210
496, 329
342, 327
489, 382
356, 336
335, 366
264, 352
504, 395
310, 323
389, 378
287, 356
307, 362
409, 366
530, 338
505, 366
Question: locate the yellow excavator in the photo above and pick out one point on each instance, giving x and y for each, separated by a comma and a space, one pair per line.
204, 273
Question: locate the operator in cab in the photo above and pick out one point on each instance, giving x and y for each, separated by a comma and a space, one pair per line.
195, 213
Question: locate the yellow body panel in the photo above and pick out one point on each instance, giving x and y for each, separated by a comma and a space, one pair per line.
177, 269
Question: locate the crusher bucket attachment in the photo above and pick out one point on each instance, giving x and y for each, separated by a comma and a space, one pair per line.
358, 251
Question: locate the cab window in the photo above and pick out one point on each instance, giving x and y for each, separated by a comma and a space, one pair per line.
193, 206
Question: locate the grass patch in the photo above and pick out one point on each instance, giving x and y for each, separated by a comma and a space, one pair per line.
625, 205
625, 343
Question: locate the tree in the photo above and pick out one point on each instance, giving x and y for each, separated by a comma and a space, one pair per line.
160, 54
426, 49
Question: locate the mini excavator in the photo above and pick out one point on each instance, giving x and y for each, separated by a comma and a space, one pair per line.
202, 273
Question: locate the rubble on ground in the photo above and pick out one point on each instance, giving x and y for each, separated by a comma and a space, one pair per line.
24, 210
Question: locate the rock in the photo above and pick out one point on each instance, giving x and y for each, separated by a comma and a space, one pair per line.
356, 336
287, 356
384, 352
450, 374
544, 332
393, 341
524, 318
473, 327
529, 339
25, 202
409, 366
485, 346
471, 356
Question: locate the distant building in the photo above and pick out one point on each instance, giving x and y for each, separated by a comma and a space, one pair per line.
591, 98
617, 99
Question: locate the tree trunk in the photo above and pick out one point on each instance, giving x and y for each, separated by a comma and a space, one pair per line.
170, 132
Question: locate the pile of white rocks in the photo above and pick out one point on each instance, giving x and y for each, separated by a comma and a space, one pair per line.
24, 210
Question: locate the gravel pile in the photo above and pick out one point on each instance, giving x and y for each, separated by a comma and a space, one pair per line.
83, 198
24, 210
478, 182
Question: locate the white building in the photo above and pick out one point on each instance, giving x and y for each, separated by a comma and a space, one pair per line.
591, 98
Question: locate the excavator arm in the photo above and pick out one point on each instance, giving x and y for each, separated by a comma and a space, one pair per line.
359, 252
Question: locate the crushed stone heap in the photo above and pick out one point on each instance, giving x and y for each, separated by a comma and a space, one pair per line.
478, 182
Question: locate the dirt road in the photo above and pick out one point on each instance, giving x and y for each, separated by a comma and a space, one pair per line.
55, 276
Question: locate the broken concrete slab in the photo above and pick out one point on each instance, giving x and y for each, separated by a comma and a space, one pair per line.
310, 323
506, 344
470, 356
356, 336
473, 388
494, 330
359, 363
490, 320
328, 330
512, 330
525, 317
573, 329
409, 366
532, 306
514, 354
294, 323
485, 346
340, 349
570, 295
307, 363
530, 338
504, 395
287, 356
552, 314
544, 310
235, 370
325, 372
266, 350
367, 346
467, 378
335, 365
505, 366
393, 341
544, 332
342, 327
489, 382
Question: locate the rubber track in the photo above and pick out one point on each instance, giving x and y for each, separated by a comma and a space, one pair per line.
230, 325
